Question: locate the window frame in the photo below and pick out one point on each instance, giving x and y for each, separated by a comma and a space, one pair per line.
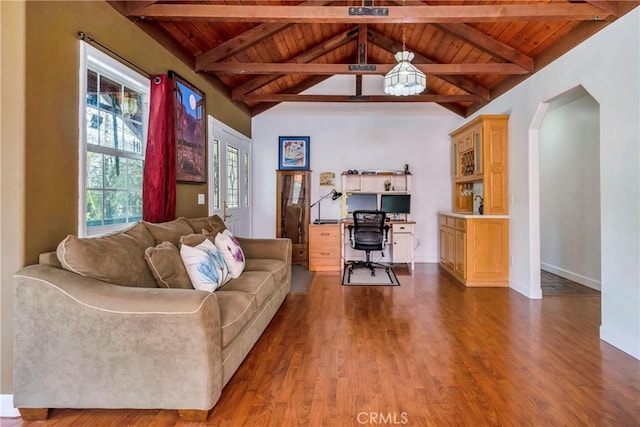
96, 60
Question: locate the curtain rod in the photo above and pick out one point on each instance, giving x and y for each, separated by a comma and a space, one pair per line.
83, 36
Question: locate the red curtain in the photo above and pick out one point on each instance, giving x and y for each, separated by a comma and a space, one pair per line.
159, 186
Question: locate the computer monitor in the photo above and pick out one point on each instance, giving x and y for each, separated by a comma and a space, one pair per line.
362, 202
395, 203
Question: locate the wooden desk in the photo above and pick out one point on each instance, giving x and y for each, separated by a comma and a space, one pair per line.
399, 248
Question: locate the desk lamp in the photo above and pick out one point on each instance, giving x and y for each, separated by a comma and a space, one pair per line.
334, 196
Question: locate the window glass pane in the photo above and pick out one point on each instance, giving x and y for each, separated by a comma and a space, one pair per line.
135, 172
92, 88
110, 93
94, 170
94, 208
93, 126
115, 207
115, 172
110, 130
246, 180
131, 104
216, 174
232, 177
135, 206
132, 136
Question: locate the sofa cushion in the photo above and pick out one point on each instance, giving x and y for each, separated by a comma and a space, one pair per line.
217, 223
276, 267
115, 258
169, 231
198, 225
236, 309
231, 251
260, 284
194, 239
205, 266
167, 267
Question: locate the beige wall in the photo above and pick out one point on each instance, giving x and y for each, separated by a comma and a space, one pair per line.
12, 143
51, 135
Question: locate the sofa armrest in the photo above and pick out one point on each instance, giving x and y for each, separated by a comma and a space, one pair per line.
277, 248
113, 346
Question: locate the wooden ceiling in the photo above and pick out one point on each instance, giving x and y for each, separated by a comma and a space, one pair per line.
263, 52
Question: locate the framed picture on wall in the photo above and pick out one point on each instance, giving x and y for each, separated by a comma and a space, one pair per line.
293, 152
191, 160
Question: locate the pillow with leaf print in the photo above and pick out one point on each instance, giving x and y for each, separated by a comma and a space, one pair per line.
205, 266
231, 252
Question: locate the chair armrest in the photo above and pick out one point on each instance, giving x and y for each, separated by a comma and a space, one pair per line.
386, 235
113, 346
277, 248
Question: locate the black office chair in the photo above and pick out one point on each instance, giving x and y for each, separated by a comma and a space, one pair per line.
368, 233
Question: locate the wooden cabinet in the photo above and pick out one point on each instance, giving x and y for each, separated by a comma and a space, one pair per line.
402, 239
325, 247
475, 250
479, 156
292, 211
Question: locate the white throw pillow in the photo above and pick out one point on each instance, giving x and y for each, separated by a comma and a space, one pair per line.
231, 251
205, 266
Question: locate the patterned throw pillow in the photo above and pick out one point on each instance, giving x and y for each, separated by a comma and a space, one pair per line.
231, 251
205, 266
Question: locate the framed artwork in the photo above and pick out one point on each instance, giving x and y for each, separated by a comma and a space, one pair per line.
191, 157
293, 152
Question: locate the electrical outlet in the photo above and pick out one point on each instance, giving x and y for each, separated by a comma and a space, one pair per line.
201, 199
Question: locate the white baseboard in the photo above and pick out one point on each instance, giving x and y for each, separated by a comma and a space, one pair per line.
6, 406
526, 290
574, 277
621, 343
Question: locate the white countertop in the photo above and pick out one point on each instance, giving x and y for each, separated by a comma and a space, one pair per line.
474, 215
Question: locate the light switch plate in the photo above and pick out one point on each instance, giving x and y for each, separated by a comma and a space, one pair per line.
201, 199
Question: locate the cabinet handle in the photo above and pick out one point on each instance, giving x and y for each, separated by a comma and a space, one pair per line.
324, 253
324, 234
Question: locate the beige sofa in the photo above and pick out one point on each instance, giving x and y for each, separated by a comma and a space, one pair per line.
81, 342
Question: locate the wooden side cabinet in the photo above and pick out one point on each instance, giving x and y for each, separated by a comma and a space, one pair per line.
325, 247
479, 155
475, 250
292, 211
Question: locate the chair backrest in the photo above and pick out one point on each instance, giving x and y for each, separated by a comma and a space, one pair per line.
368, 230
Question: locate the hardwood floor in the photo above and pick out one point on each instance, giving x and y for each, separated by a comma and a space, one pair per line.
427, 353
552, 284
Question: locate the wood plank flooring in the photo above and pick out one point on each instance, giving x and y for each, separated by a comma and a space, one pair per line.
427, 353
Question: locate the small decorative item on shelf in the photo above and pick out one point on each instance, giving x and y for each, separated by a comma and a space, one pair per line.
387, 184
481, 206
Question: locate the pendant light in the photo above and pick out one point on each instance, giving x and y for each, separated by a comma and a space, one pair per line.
404, 78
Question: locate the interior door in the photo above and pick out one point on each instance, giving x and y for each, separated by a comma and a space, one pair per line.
229, 177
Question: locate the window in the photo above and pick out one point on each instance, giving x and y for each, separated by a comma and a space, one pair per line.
215, 152
232, 177
113, 131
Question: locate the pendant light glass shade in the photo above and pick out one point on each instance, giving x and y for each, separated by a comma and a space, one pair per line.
404, 78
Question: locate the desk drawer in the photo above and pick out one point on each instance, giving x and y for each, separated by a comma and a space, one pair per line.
402, 228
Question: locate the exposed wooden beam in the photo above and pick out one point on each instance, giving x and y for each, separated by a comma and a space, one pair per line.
245, 40
364, 98
300, 87
608, 6
310, 55
461, 82
137, 6
396, 15
314, 68
482, 41
362, 55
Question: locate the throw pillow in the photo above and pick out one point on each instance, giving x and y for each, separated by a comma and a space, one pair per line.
217, 224
169, 231
205, 266
231, 252
116, 258
200, 224
167, 267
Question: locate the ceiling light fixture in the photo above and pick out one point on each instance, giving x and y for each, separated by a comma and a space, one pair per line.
404, 78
